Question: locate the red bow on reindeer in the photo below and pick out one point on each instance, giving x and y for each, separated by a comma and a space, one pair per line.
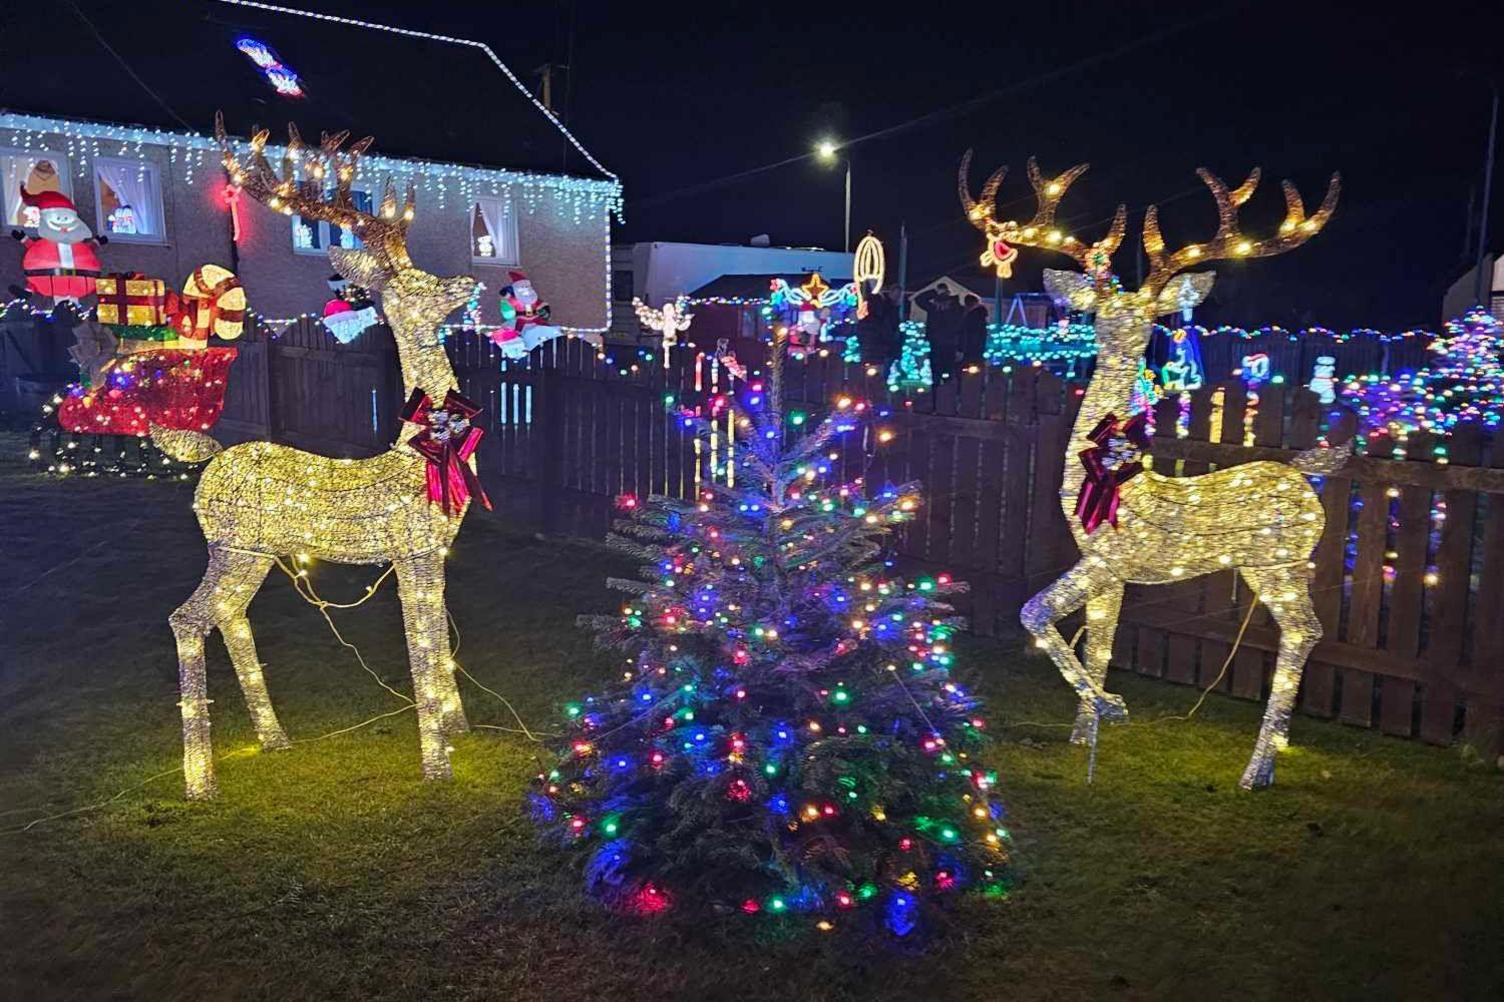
1112, 460
447, 441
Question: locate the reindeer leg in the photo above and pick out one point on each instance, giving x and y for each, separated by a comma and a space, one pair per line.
1073, 589
211, 602
1284, 590
1101, 627
420, 585
450, 704
243, 583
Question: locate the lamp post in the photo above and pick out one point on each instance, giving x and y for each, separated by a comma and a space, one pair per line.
826, 151
1479, 289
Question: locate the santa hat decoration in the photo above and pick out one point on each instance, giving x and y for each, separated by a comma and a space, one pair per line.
45, 200
516, 276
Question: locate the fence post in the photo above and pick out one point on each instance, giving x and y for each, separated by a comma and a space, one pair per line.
274, 422
548, 443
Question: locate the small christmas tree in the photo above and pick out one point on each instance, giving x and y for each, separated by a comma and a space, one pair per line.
786, 738
911, 372
1464, 385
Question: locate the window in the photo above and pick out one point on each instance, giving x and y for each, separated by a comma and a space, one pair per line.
36, 170
310, 236
621, 286
493, 232
128, 197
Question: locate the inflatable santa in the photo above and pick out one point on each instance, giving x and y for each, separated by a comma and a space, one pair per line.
62, 260
523, 318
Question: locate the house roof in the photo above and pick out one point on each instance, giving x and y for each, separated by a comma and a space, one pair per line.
424, 96
753, 288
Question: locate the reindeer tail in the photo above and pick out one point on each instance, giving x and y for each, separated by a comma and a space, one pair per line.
183, 445
1323, 460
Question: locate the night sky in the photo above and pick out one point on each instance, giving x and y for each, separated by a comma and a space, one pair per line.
693, 104
1146, 92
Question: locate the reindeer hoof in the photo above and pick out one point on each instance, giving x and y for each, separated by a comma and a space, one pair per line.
1085, 731
276, 742
1260, 773
1111, 708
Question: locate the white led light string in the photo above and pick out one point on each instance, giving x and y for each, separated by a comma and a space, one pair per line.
29, 132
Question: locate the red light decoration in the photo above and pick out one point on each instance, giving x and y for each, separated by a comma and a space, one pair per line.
179, 388
231, 195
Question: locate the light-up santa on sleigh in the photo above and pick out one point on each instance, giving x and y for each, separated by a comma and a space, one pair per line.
145, 356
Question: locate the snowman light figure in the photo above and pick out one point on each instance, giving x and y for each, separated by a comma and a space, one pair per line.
668, 321
1324, 379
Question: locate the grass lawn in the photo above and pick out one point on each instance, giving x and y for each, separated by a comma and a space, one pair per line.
1374, 869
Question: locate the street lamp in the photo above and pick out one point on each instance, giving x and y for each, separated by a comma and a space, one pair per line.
1483, 293
826, 150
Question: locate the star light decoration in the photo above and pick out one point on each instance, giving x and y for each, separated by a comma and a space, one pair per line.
805, 314
259, 502
1261, 519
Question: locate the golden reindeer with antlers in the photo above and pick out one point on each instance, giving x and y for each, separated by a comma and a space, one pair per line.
1135, 526
259, 501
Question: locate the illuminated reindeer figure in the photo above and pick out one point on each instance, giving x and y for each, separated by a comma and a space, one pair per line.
258, 502
1261, 519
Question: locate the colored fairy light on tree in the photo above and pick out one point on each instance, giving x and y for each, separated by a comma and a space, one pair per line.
787, 738
1263, 518
1464, 384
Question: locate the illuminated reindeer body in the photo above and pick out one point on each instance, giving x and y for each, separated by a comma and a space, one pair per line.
1261, 519
260, 501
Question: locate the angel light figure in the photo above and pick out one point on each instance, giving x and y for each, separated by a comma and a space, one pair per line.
668, 320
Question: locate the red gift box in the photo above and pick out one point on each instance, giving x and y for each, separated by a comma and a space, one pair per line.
131, 300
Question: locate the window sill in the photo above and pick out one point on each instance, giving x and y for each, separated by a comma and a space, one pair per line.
126, 241
494, 262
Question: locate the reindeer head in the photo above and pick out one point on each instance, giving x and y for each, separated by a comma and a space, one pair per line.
1124, 317
414, 301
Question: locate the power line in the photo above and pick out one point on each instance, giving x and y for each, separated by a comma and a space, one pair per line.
950, 111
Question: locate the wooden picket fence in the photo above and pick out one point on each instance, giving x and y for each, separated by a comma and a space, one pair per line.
1408, 578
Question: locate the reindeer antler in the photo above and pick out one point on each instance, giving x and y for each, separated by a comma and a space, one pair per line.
384, 232
1040, 231
1229, 241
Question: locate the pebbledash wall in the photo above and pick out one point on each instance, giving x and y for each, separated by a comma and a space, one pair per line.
563, 222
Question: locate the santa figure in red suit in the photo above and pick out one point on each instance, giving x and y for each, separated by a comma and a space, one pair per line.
62, 260
524, 317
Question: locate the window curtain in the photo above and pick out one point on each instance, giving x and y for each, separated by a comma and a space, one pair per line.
14, 168
135, 186
497, 215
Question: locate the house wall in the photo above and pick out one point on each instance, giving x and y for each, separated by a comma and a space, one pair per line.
566, 259
1461, 294
663, 270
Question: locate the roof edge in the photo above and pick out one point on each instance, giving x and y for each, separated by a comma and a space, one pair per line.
449, 39
21, 121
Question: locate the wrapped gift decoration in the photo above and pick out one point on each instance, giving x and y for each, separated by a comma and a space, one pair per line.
131, 300
134, 339
182, 388
213, 302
